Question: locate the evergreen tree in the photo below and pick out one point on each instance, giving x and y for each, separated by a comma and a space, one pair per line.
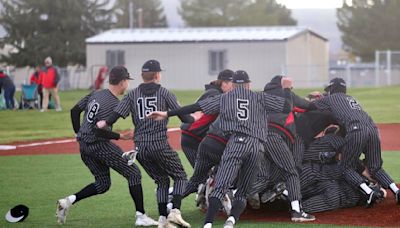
370, 25
152, 13
204, 13
41, 28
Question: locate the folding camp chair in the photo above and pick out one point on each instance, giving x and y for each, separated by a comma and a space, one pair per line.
29, 97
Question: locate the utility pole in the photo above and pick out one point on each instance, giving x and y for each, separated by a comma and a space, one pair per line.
131, 14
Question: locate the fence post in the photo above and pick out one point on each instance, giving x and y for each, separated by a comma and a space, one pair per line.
388, 67
376, 68
348, 75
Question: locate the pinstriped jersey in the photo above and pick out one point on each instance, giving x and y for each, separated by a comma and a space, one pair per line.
243, 111
330, 143
98, 106
346, 110
139, 102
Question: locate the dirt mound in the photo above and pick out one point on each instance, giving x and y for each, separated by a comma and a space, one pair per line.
386, 213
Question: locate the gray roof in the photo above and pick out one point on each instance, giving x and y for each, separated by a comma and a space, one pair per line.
209, 34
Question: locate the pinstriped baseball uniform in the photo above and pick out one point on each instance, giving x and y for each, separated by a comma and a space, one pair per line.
362, 137
150, 136
193, 133
278, 152
99, 154
243, 114
334, 194
209, 155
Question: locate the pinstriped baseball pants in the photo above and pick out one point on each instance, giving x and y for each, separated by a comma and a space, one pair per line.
279, 154
209, 155
191, 154
99, 157
364, 141
314, 172
161, 163
241, 157
333, 194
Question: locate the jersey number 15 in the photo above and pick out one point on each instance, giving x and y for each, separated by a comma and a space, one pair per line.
146, 105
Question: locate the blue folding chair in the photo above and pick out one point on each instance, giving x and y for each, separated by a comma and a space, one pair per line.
29, 97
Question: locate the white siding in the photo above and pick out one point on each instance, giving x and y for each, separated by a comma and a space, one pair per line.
186, 64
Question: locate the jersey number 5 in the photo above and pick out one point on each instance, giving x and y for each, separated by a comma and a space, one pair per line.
242, 109
146, 105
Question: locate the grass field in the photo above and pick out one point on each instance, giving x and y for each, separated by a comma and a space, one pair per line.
381, 103
38, 181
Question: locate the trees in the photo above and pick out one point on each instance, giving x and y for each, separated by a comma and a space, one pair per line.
203, 13
152, 13
370, 25
41, 28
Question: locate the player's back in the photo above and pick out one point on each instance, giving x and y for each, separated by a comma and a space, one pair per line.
98, 106
242, 112
147, 98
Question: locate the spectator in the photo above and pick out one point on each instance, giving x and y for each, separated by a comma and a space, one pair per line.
49, 80
101, 76
8, 86
34, 79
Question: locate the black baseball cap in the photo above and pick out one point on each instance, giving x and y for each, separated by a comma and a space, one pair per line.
17, 213
335, 82
226, 75
241, 76
151, 66
117, 74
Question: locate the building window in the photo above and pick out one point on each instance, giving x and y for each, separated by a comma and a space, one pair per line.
217, 61
115, 58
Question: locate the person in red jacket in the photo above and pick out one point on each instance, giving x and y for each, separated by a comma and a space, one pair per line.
101, 76
49, 80
34, 80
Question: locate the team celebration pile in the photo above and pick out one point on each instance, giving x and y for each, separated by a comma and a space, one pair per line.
246, 148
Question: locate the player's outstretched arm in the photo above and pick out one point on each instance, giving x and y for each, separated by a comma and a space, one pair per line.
158, 115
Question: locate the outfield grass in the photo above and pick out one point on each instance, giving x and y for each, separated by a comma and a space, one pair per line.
38, 181
382, 104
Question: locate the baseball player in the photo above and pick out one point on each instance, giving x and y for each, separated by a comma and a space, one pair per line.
243, 115
279, 145
193, 133
150, 137
98, 153
362, 137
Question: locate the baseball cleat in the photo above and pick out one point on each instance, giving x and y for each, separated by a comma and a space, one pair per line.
277, 191
227, 204
144, 220
63, 206
372, 199
130, 156
302, 217
254, 201
175, 218
229, 224
163, 223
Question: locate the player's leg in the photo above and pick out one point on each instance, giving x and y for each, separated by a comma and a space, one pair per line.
374, 161
209, 155
160, 177
356, 141
114, 160
102, 183
231, 162
248, 172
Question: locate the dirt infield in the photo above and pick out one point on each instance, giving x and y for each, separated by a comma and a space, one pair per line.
388, 132
384, 214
